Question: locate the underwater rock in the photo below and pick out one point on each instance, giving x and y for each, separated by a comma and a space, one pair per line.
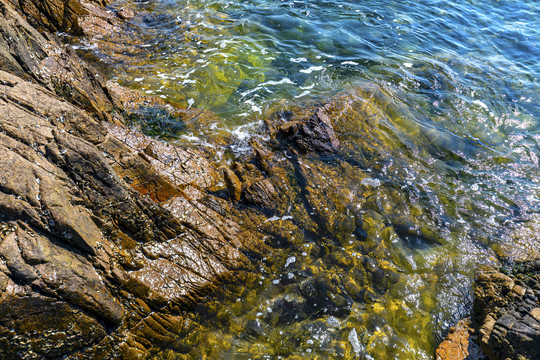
507, 309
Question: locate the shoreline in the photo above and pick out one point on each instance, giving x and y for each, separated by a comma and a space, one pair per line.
96, 243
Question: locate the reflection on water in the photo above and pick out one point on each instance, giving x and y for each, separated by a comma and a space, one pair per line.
436, 107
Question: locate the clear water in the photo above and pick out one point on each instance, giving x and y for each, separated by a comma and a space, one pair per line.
460, 85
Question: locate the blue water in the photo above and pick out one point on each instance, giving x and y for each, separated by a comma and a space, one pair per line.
465, 72
238, 50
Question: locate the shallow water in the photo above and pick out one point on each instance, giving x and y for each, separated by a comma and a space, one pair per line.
454, 96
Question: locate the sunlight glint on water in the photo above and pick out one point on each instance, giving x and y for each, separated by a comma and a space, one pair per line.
459, 93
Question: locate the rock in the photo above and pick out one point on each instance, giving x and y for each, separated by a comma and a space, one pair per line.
52, 15
314, 134
261, 192
234, 186
506, 308
459, 344
39, 327
105, 228
39, 58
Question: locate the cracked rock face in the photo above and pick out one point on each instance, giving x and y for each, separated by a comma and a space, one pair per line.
105, 235
91, 223
507, 308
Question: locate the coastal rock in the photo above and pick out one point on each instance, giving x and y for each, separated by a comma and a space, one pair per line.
234, 185
312, 134
40, 58
95, 222
107, 235
507, 309
459, 343
52, 15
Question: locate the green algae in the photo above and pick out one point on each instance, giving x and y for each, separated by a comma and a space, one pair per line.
354, 255
387, 232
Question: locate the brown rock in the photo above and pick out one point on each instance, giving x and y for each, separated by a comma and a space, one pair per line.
507, 315
234, 186
315, 134
458, 344
261, 192
106, 225
36, 57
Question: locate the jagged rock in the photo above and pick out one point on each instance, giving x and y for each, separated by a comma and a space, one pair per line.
81, 233
39, 58
102, 226
314, 134
262, 193
58, 15
507, 308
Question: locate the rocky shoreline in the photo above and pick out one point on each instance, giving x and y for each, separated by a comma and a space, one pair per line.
109, 237
94, 223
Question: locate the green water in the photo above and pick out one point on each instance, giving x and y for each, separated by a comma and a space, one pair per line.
443, 139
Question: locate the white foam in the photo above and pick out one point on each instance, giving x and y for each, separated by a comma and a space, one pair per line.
408, 65
290, 260
481, 104
371, 182
311, 69
189, 137
280, 82
349, 63
304, 93
298, 60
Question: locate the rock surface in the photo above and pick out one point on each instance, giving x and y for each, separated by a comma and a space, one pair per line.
105, 236
108, 237
507, 309
459, 344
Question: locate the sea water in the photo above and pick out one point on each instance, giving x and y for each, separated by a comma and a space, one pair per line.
463, 74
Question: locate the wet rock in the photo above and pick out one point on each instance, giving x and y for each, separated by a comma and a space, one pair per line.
52, 15
506, 308
459, 344
314, 134
38, 57
234, 186
40, 327
324, 295
261, 192
105, 228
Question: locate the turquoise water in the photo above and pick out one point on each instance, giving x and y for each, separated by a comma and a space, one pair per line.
461, 95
